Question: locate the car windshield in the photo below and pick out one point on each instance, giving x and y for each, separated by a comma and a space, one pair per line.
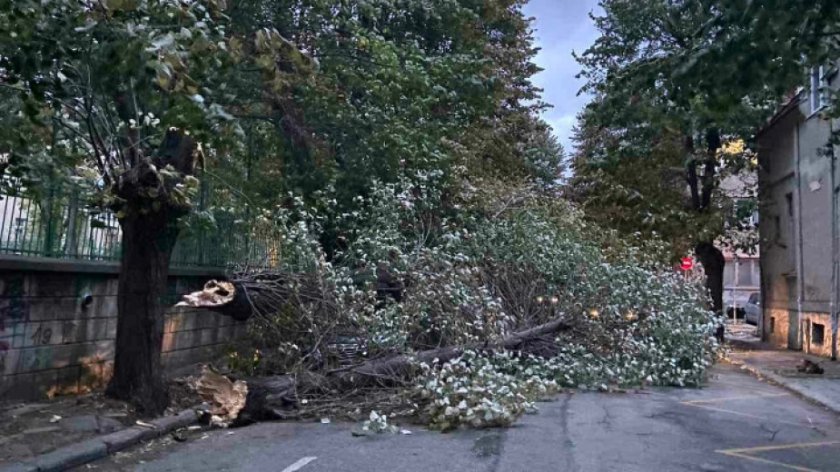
753, 298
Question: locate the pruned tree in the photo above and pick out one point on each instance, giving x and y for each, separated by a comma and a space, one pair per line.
144, 98
132, 95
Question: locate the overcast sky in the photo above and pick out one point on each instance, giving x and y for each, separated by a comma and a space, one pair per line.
562, 26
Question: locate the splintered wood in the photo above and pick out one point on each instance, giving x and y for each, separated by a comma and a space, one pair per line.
226, 398
214, 294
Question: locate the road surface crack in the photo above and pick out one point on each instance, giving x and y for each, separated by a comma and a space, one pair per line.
571, 465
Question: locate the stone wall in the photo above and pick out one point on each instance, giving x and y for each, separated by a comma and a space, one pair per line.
815, 328
58, 324
817, 334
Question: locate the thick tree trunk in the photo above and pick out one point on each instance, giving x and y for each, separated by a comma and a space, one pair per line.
149, 220
265, 293
713, 263
147, 242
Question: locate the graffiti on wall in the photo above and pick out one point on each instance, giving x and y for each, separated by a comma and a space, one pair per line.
14, 313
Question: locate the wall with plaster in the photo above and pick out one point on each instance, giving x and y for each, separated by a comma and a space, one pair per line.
797, 228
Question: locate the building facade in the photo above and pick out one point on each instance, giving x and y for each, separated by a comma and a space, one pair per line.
798, 192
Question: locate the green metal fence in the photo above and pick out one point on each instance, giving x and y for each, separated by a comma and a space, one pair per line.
57, 222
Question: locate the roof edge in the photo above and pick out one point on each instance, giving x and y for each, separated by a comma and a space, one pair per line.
792, 104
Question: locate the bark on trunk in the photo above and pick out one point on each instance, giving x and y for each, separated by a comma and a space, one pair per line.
147, 244
150, 213
713, 263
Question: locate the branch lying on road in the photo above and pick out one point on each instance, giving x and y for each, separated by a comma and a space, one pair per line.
272, 397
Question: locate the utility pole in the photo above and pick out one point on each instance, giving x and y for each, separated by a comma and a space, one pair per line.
835, 250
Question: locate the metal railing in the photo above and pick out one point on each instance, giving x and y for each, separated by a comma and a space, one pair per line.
57, 222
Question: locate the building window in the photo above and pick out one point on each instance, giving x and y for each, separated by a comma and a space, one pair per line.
816, 88
817, 334
789, 201
764, 163
772, 324
729, 274
745, 276
791, 231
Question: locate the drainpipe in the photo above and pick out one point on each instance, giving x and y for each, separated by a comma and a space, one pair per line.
835, 257
798, 245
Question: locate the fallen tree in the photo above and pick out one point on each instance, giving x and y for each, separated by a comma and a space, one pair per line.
463, 331
271, 397
244, 297
276, 397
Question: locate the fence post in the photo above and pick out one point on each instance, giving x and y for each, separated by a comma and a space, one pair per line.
201, 258
72, 215
48, 207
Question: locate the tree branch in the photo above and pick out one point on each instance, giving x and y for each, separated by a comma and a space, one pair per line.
691, 173
103, 168
709, 182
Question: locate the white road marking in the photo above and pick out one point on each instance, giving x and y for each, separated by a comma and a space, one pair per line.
299, 464
738, 397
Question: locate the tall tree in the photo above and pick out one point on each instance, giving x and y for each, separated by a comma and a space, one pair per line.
132, 92
404, 88
651, 114
140, 95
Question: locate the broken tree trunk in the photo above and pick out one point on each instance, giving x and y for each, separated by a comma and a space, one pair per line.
249, 295
225, 398
264, 293
269, 396
223, 297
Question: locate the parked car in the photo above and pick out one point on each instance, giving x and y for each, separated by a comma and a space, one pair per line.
752, 309
734, 303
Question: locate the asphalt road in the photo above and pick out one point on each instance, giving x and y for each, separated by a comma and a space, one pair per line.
735, 423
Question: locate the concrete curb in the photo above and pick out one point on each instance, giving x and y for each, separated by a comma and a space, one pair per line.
99, 447
787, 384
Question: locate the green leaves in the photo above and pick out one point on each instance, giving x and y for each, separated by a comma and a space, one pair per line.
302, 95
121, 5
663, 74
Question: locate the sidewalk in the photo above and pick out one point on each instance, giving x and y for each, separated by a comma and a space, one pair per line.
31, 429
65, 432
780, 366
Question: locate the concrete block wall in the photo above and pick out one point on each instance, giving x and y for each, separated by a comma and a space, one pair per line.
54, 342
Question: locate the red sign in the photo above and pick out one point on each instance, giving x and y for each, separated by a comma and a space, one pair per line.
687, 263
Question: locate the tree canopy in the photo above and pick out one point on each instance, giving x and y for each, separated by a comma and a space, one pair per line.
140, 101
678, 87
673, 82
